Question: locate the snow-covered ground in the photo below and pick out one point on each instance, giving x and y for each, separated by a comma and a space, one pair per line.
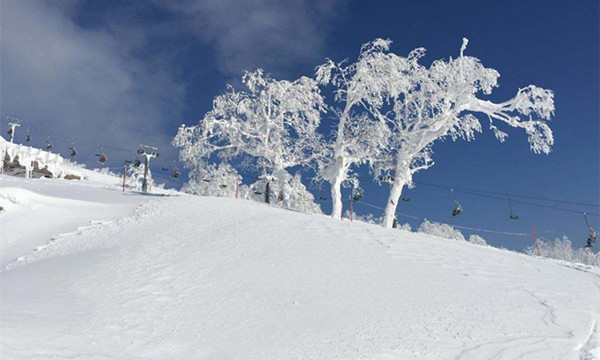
186, 277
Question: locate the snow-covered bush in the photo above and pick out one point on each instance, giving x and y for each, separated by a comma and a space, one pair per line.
477, 240
286, 191
405, 227
562, 249
444, 231
213, 180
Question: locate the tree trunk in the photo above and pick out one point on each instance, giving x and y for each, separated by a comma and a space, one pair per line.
390, 208
336, 195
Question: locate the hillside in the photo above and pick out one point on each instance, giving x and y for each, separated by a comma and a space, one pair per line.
184, 277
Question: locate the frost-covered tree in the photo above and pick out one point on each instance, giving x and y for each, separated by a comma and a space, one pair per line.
424, 105
274, 122
213, 180
360, 87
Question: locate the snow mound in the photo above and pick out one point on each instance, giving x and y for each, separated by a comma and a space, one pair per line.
12, 198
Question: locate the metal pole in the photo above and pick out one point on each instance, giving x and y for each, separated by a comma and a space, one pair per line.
268, 192
146, 163
536, 240
124, 176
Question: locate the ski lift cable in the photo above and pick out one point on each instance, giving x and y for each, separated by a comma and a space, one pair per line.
80, 140
499, 193
456, 226
531, 203
481, 193
448, 187
86, 144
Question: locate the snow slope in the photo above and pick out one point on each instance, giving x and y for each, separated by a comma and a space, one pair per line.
57, 206
185, 277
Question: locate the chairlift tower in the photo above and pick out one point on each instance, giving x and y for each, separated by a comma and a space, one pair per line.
148, 152
13, 123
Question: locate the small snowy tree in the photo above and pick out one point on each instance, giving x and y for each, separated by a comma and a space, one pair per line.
213, 180
405, 227
429, 104
477, 240
443, 231
273, 122
359, 138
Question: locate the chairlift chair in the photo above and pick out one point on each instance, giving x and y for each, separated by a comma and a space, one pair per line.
457, 209
137, 163
405, 199
323, 198
102, 159
593, 237
175, 174
73, 150
28, 136
48, 144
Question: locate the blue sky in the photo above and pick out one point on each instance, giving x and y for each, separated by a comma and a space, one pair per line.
119, 73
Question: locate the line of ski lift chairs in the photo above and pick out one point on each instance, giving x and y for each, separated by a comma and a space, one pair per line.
99, 153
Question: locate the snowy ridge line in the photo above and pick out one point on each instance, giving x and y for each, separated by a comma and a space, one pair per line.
456, 226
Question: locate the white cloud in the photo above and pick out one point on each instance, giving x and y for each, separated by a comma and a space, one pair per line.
272, 34
91, 82
80, 82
